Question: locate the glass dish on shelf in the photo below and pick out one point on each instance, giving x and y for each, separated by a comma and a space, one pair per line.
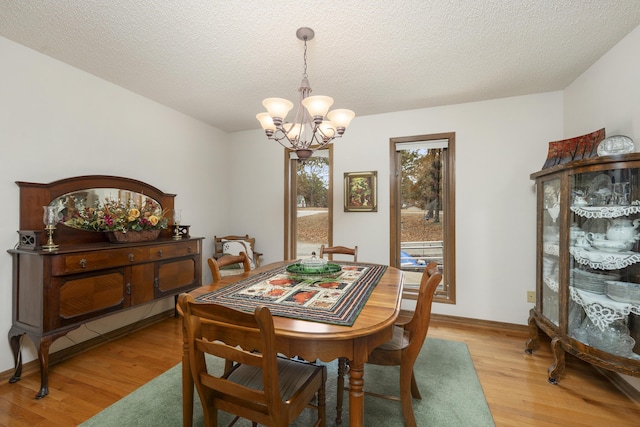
623, 291
591, 282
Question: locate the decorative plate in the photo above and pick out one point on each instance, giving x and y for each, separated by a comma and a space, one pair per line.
616, 144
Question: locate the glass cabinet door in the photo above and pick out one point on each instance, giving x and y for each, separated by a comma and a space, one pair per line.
604, 275
550, 249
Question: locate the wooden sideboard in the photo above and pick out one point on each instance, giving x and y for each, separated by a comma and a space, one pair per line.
55, 292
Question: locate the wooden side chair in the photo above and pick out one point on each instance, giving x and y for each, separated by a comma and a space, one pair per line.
233, 245
261, 386
403, 349
242, 261
339, 250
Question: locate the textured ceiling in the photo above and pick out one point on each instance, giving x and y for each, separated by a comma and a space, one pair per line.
216, 60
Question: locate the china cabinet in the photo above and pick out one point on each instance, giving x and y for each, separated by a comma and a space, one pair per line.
83, 276
588, 264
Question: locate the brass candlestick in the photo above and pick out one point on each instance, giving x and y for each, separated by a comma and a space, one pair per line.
177, 218
50, 246
50, 218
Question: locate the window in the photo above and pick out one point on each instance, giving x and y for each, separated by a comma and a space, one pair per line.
308, 205
423, 209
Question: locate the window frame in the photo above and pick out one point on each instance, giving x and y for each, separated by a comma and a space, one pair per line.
447, 292
290, 202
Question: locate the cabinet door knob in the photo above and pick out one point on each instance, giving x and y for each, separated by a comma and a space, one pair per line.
131, 256
156, 282
128, 288
190, 249
83, 263
160, 253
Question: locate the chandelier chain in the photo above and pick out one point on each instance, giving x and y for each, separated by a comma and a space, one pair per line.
304, 74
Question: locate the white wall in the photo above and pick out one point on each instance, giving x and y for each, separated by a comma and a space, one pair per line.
57, 122
498, 144
608, 95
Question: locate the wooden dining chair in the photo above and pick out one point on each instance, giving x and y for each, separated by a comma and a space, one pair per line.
215, 265
403, 349
339, 250
261, 386
233, 245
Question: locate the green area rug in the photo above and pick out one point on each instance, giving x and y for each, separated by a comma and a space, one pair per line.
451, 395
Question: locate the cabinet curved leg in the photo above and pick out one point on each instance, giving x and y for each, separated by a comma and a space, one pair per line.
43, 357
43, 344
14, 342
532, 342
556, 370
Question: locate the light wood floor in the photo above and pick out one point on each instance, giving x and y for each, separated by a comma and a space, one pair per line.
514, 383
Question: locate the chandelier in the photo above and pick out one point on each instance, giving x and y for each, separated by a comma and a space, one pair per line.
310, 130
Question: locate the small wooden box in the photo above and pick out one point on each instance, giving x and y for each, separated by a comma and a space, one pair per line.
29, 240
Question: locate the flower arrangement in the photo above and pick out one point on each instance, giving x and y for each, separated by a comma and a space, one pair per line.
118, 215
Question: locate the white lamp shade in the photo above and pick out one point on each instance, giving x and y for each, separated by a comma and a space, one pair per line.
341, 117
317, 105
293, 130
266, 121
277, 107
327, 128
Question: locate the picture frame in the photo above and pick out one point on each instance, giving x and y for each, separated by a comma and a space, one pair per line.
361, 191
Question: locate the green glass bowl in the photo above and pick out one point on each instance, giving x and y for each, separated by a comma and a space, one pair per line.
326, 269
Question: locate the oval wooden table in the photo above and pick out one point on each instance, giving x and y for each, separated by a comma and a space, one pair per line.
314, 340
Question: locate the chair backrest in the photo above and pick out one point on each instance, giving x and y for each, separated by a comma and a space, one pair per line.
245, 338
419, 323
339, 250
216, 264
242, 244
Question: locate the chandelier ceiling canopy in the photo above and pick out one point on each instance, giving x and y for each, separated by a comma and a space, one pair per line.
314, 126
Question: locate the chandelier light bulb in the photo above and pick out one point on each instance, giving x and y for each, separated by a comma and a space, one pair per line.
328, 129
293, 130
266, 122
278, 108
317, 105
341, 118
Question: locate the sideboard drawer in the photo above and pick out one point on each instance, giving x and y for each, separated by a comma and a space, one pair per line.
96, 260
174, 250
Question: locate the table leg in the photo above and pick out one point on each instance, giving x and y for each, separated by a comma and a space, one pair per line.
356, 394
342, 365
187, 386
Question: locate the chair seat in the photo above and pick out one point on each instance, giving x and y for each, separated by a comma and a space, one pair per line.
399, 340
292, 374
390, 353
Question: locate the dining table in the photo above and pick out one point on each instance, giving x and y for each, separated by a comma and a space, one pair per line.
314, 340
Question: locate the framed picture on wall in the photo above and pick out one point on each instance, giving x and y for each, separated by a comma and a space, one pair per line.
361, 191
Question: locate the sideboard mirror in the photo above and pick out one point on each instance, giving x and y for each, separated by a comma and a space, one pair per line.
82, 192
87, 209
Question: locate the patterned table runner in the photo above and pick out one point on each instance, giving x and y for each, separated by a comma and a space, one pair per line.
336, 300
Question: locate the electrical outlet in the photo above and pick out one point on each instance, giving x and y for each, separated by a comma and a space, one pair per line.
531, 296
